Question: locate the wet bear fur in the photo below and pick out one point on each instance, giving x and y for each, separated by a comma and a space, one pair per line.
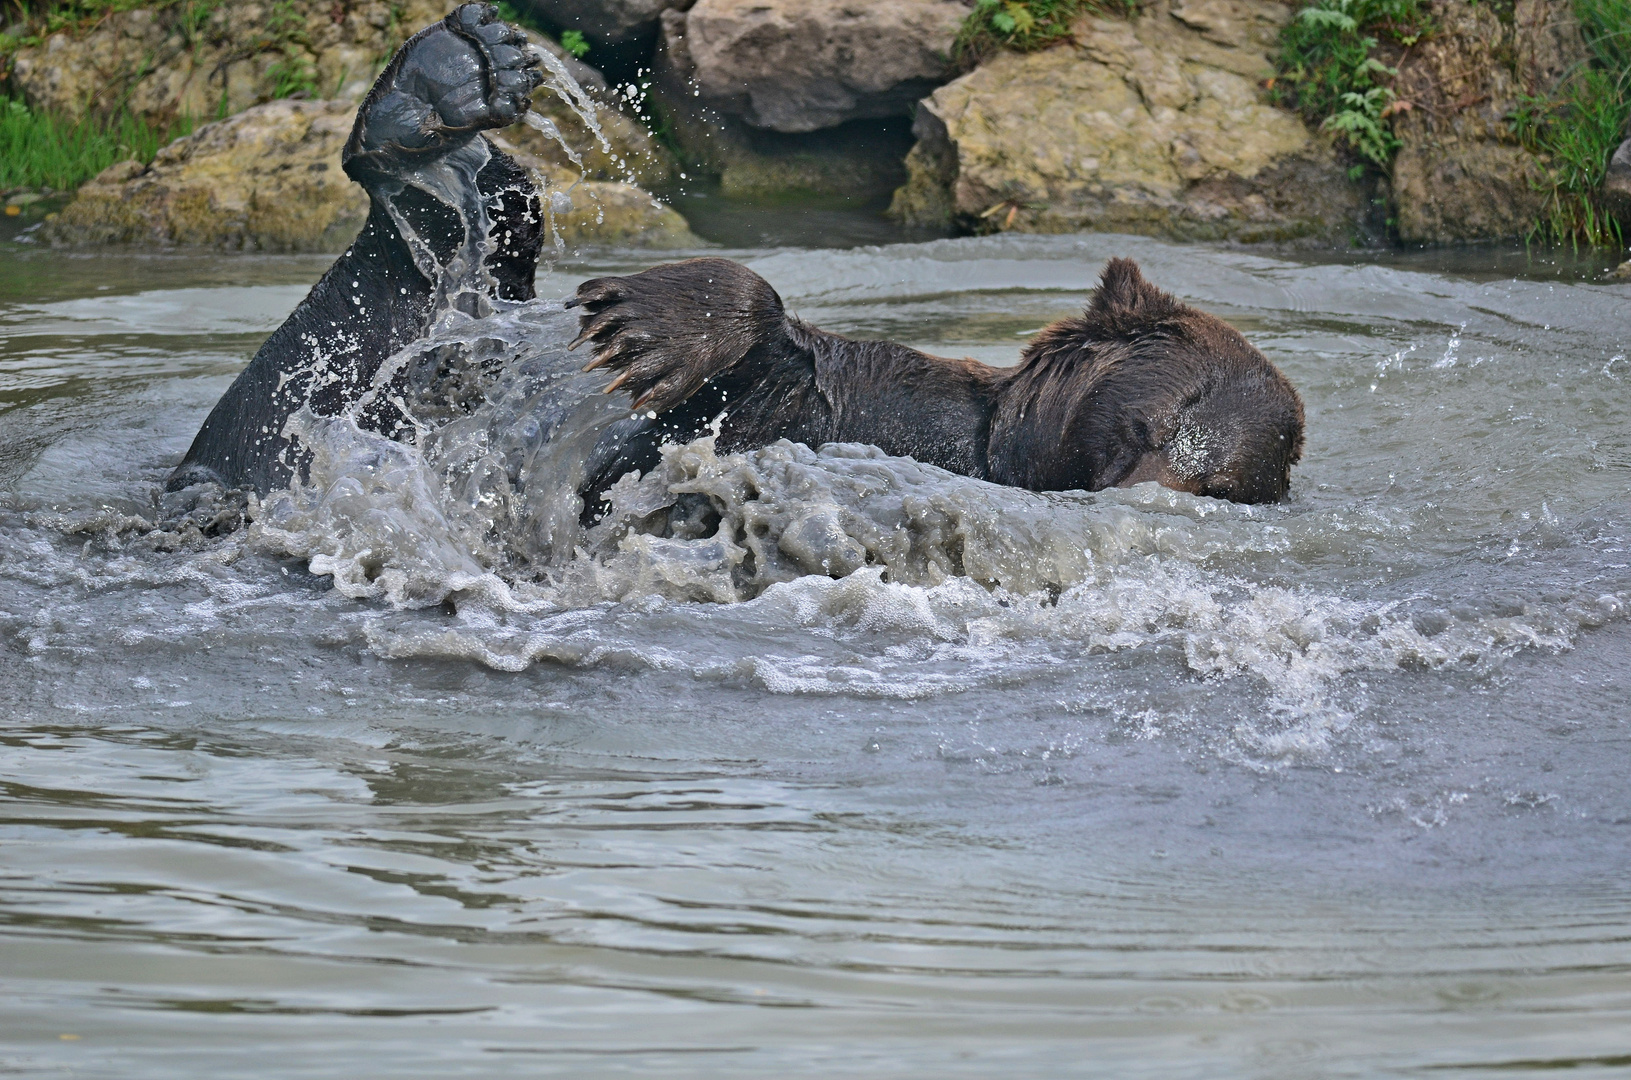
457, 77
1138, 387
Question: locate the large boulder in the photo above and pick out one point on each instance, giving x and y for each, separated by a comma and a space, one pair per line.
859, 160
160, 62
802, 65
1155, 125
269, 179
605, 22
1461, 173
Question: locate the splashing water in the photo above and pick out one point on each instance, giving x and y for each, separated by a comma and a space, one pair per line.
560, 82
452, 485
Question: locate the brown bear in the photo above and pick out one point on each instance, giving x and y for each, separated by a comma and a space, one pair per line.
1138, 387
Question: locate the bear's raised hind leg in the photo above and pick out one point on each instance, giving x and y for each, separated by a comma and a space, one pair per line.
466, 73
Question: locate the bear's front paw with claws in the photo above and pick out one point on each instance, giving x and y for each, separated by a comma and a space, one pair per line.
669, 330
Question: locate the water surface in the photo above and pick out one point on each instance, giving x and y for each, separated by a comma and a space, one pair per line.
1121, 784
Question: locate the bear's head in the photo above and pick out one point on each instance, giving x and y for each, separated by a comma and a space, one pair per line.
1141, 387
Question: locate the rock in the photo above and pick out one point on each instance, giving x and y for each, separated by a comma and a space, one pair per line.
802, 65
1155, 125
860, 160
156, 63
1616, 193
622, 215
1547, 43
629, 155
1461, 173
605, 22
269, 179
604, 212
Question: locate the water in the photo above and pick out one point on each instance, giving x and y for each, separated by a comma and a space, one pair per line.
1133, 784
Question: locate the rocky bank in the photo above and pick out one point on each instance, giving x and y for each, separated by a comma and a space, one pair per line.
1157, 124
775, 97
267, 177
212, 59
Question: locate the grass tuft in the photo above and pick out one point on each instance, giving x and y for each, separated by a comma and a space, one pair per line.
1577, 127
30, 22
1025, 25
38, 150
286, 31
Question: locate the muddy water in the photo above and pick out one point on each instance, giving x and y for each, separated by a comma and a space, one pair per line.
403, 780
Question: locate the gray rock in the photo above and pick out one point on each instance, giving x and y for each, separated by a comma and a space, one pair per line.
803, 65
851, 161
605, 22
1617, 186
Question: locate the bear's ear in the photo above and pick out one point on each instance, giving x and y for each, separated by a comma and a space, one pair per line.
1125, 301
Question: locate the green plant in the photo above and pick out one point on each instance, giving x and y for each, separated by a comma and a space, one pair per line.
292, 75
517, 17
1024, 25
1577, 126
194, 14
1363, 119
286, 33
1328, 71
39, 150
572, 41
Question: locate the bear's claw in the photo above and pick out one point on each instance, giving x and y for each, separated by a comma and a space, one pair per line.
668, 331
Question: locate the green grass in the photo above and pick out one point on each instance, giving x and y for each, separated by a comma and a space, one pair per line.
286, 33
38, 150
1579, 124
1025, 25
1328, 71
